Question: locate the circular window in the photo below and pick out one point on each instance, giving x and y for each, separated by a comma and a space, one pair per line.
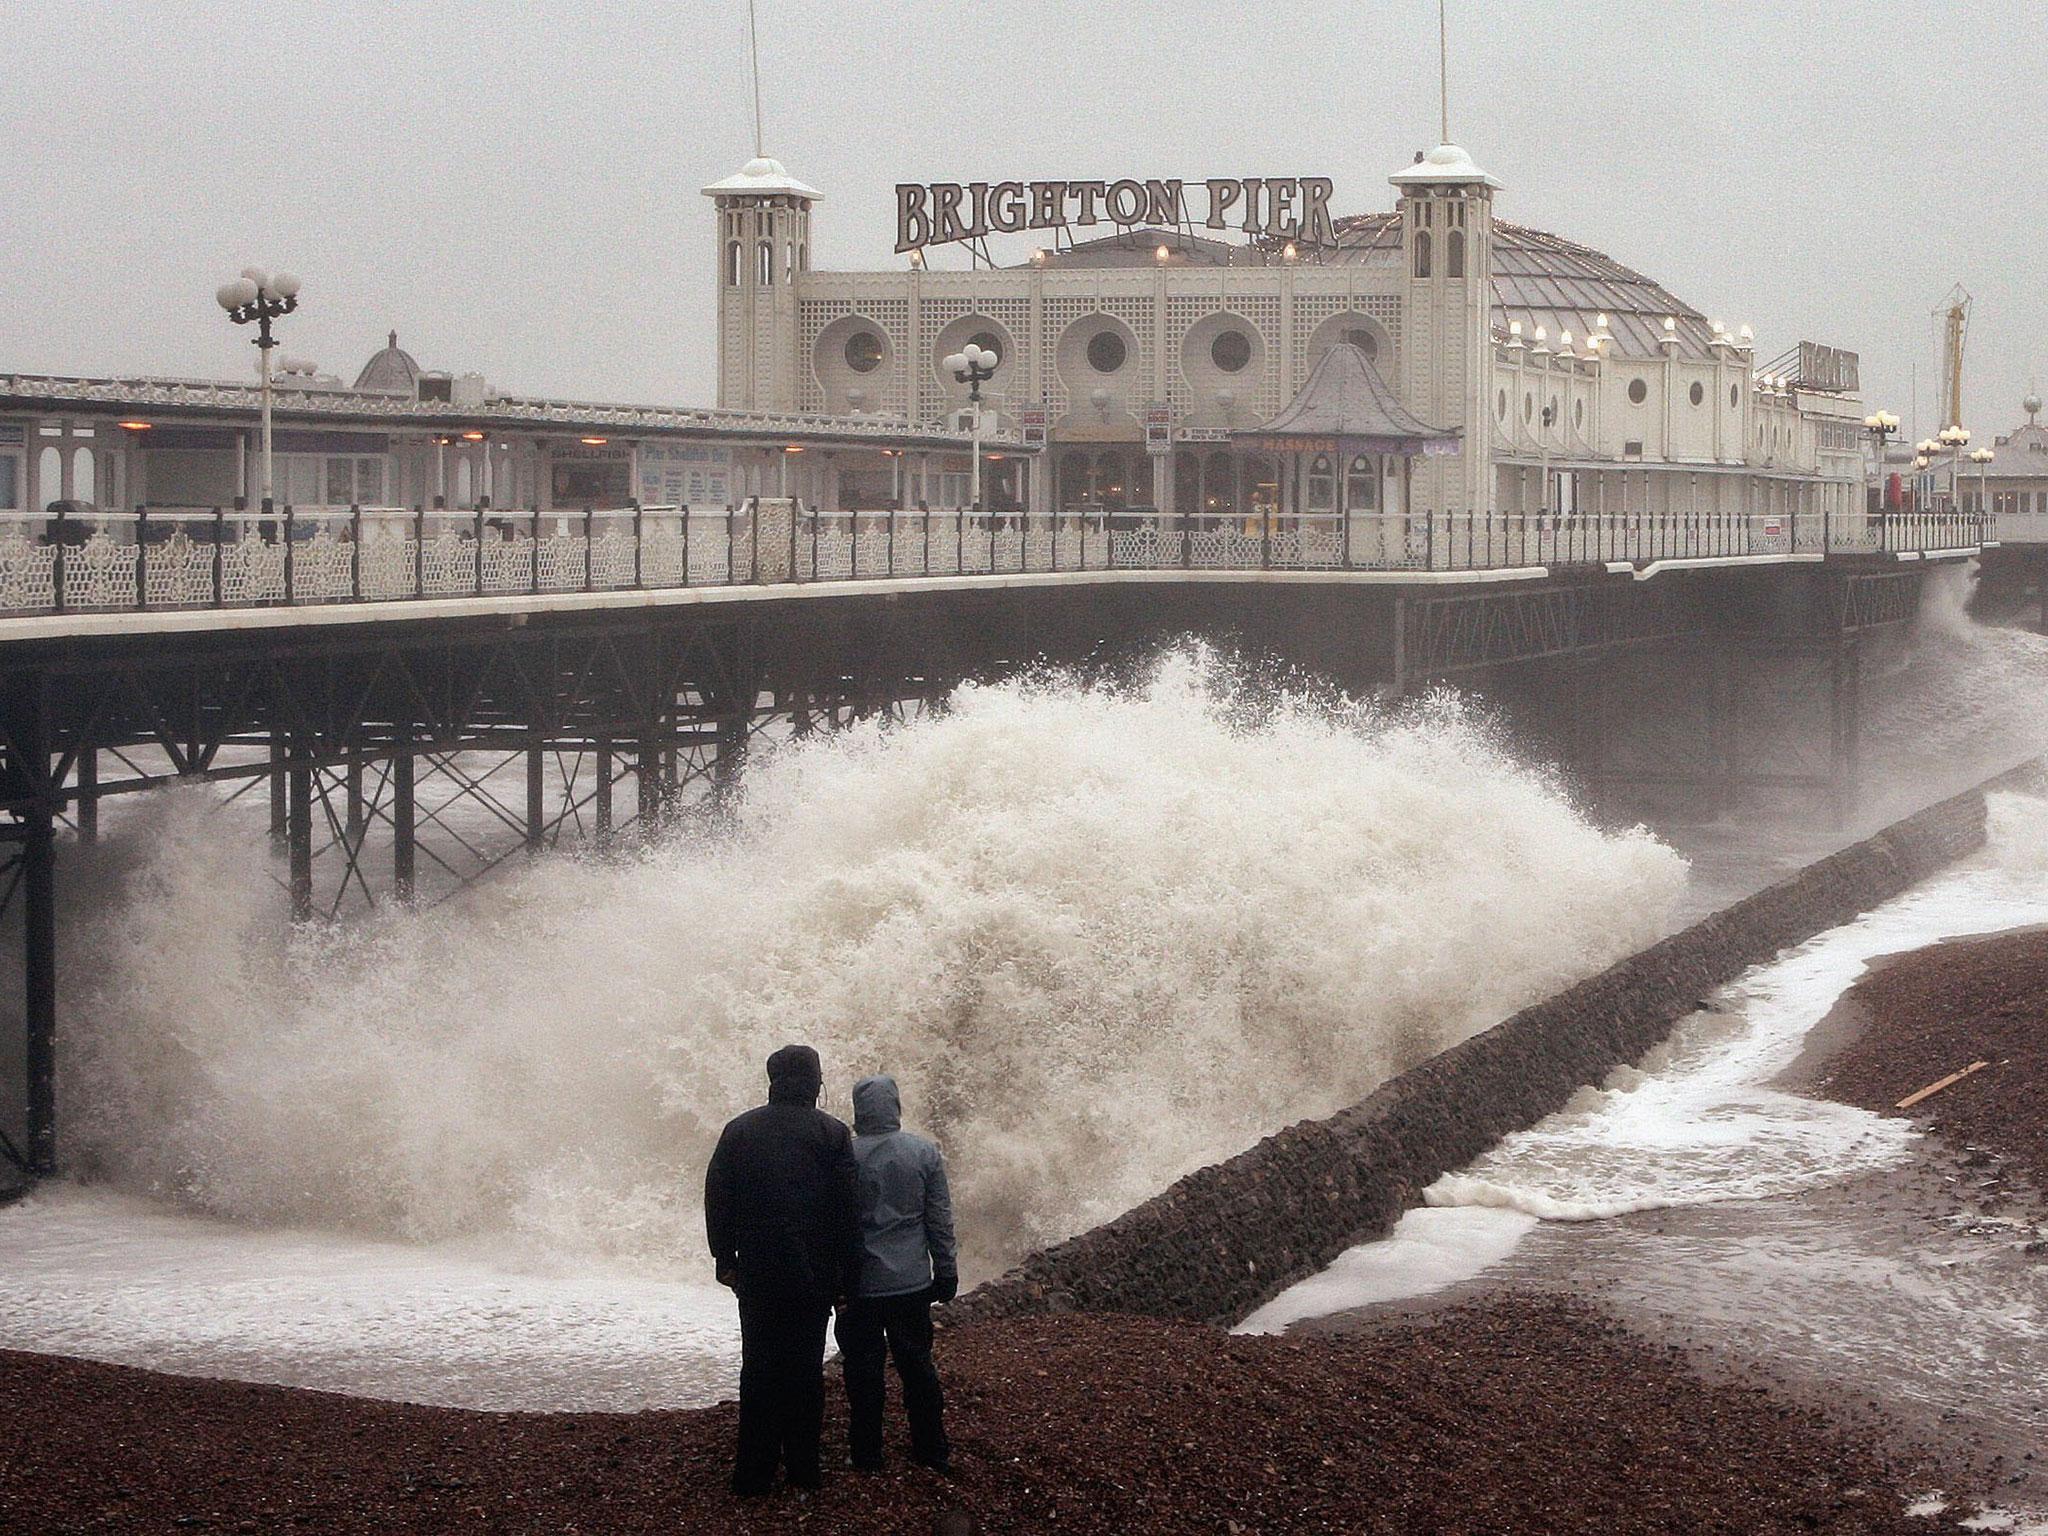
1230, 351
1638, 391
987, 342
1698, 392
1364, 340
863, 351
1734, 396
1106, 352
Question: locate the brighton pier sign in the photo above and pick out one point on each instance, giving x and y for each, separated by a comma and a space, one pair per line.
1281, 208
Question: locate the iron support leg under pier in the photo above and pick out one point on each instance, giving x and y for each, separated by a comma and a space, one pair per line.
729, 753
404, 824
653, 792
299, 830
603, 808
88, 812
536, 791
354, 795
1397, 686
279, 814
39, 939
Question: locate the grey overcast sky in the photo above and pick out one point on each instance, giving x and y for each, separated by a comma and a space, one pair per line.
514, 187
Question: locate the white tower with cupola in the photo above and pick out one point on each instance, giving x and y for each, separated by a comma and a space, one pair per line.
1446, 205
764, 248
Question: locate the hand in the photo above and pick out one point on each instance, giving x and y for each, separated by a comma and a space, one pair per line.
728, 1274
944, 1289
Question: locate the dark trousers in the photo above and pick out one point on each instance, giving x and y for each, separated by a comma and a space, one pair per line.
900, 1326
782, 1390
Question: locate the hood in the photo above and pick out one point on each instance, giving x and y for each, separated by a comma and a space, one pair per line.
794, 1076
877, 1107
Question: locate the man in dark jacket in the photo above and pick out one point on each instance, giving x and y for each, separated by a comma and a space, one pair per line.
780, 1212
907, 1262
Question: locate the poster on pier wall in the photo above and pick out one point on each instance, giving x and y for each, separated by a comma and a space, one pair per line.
685, 474
1158, 428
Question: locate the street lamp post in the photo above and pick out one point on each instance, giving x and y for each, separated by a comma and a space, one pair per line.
974, 366
1954, 438
1982, 458
1880, 427
261, 296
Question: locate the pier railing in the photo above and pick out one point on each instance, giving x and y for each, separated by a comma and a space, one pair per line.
156, 558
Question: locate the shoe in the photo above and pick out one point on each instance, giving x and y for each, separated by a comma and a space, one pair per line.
942, 1465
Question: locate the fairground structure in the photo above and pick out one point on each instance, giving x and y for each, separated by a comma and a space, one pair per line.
1389, 449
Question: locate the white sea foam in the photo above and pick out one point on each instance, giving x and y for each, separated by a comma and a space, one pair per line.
1429, 1250
1694, 1122
1102, 935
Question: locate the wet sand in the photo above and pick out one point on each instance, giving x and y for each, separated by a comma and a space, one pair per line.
1910, 1305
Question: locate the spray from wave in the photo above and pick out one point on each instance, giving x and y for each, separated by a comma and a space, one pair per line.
1103, 935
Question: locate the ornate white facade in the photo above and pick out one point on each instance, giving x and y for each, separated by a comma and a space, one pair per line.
1576, 384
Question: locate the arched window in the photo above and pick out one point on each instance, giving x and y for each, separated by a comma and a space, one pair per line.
1219, 489
1262, 484
50, 476
767, 265
81, 474
1112, 481
1362, 484
1454, 253
803, 257
732, 264
1422, 253
1322, 485
462, 481
1074, 488
789, 262
1364, 340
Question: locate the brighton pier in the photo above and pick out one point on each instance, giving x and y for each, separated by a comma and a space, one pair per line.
567, 620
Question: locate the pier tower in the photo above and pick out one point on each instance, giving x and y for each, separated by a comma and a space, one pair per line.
764, 235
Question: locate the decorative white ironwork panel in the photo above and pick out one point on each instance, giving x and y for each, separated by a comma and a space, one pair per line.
448, 565
323, 568
561, 561
252, 571
872, 555
1138, 548
100, 573
611, 559
1228, 547
661, 557
829, 556
178, 572
508, 563
388, 569
28, 573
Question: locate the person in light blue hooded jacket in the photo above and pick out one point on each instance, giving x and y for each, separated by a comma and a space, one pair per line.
907, 1262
